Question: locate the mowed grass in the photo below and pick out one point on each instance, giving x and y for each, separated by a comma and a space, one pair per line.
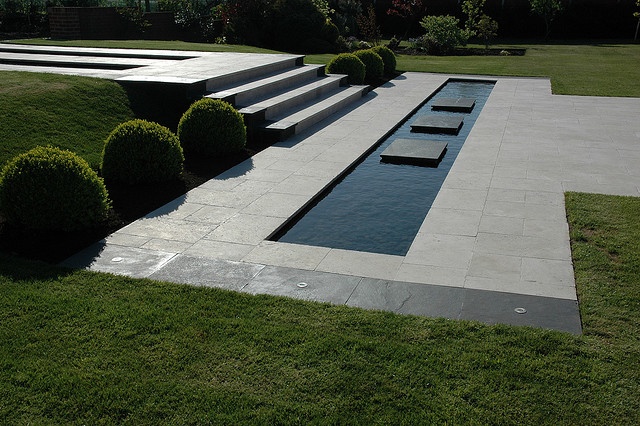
91, 348
74, 113
597, 68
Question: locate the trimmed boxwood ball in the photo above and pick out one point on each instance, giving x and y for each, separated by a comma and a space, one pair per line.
140, 151
374, 66
212, 127
49, 188
388, 57
349, 64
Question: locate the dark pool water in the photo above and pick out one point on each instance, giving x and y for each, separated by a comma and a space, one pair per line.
378, 207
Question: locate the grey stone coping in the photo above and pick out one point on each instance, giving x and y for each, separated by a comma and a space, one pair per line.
414, 151
433, 123
453, 104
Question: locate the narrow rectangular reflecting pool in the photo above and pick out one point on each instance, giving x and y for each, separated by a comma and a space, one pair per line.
378, 207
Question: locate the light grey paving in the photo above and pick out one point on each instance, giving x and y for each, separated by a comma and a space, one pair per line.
496, 234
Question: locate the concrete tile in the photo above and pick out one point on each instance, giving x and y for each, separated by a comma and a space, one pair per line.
428, 274
213, 215
232, 199
171, 246
452, 222
301, 284
545, 271
119, 260
408, 298
545, 312
505, 209
207, 272
245, 229
506, 195
290, 255
166, 229
522, 246
501, 225
302, 185
219, 250
461, 199
448, 251
499, 267
122, 239
371, 265
275, 204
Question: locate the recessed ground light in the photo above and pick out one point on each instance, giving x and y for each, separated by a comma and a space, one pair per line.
117, 259
302, 285
520, 310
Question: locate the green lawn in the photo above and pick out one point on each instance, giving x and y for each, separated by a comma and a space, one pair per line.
89, 348
75, 113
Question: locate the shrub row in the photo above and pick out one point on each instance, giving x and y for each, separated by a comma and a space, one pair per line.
48, 188
367, 65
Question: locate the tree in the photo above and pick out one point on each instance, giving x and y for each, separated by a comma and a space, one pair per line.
473, 10
486, 29
548, 10
409, 10
637, 15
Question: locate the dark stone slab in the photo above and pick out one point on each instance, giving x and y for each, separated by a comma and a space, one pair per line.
408, 298
414, 151
302, 284
494, 307
437, 124
454, 104
205, 272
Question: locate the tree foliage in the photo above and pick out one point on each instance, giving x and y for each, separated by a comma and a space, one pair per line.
547, 10
409, 10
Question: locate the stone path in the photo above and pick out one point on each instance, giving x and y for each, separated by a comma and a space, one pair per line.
496, 238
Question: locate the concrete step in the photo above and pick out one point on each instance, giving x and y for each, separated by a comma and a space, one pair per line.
296, 120
259, 88
279, 103
73, 61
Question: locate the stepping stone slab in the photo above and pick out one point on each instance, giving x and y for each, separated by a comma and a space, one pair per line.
414, 151
453, 104
437, 124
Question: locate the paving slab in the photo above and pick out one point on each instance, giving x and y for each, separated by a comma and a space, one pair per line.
437, 124
453, 104
414, 151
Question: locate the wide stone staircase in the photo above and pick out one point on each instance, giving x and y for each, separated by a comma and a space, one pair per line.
278, 94
279, 104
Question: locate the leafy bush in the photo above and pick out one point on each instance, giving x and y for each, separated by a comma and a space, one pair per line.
349, 64
373, 63
442, 34
48, 188
212, 127
293, 23
388, 57
139, 151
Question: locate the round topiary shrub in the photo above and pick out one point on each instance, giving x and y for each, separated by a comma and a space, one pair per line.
388, 57
349, 64
49, 188
139, 151
212, 127
374, 66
